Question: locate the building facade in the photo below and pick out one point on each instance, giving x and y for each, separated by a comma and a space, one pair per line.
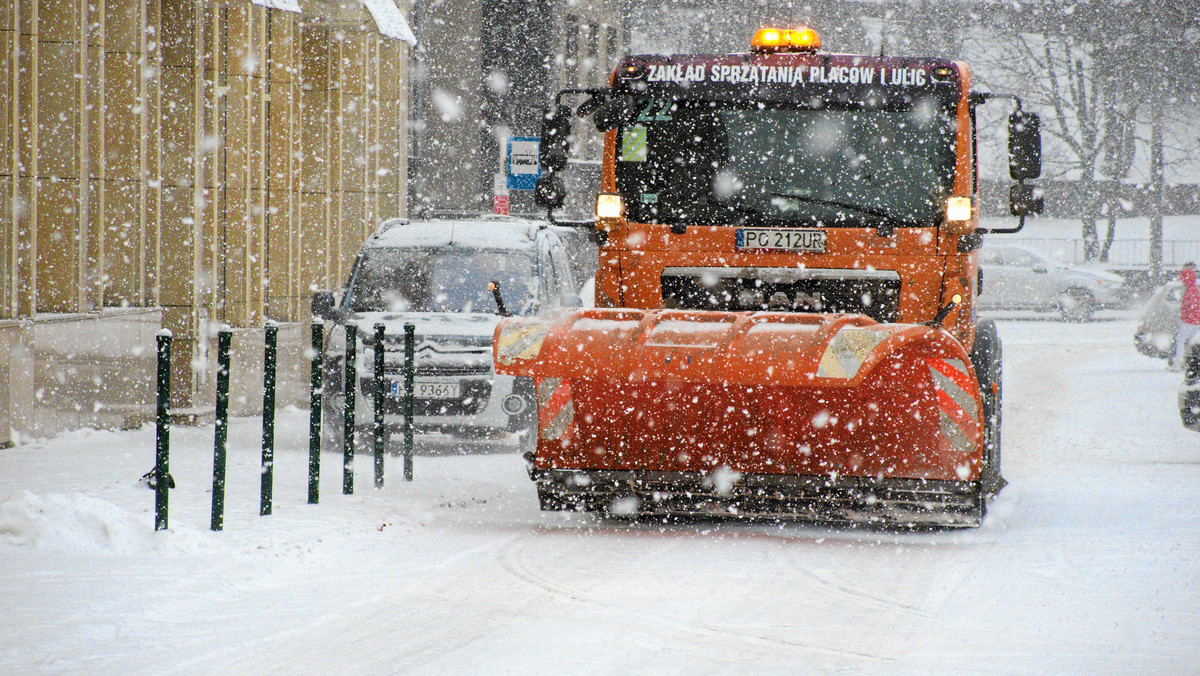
486, 72
183, 164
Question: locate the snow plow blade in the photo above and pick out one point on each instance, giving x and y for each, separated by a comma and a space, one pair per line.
779, 415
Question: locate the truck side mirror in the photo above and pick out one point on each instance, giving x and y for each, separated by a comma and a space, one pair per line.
322, 304
614, 112
1025, 200
550, 191
556, 127
1024, 146
594, 103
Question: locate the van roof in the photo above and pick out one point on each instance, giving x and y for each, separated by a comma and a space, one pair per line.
492, 232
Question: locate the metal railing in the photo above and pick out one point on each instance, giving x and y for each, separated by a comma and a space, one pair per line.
1123, 253
160, 477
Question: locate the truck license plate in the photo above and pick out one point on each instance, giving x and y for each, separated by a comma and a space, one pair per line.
781, 239
428, 390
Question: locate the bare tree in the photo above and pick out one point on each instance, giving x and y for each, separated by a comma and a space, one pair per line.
1164, 38
1055, 55
1118, 152
1098, 69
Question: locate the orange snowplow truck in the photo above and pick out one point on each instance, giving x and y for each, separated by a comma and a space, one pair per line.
785, 323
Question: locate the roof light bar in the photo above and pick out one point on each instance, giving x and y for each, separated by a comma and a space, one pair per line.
772, 40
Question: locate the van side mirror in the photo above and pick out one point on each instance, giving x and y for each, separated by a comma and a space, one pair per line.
1025, 200
1024, 146
322, 304
556, 127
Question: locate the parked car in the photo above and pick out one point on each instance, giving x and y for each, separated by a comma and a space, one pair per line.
1189, 392
434, 274
1015, 278
1155, 336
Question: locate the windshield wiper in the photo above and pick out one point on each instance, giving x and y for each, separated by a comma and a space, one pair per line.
742, 208
679, 225
884, 229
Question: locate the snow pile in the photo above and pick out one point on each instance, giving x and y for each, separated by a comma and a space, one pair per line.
70, 523
458, 571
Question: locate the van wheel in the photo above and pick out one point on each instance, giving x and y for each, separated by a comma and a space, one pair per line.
1077, 305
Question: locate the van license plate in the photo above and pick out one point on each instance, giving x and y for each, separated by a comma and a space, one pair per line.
781, 239
428, 390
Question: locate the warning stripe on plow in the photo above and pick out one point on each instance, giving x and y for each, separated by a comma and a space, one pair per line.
846, 351
957, 411
556, 411
520, 340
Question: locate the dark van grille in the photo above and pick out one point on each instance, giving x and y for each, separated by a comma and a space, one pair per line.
874, 293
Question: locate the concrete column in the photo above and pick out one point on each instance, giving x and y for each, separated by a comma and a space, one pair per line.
11, 211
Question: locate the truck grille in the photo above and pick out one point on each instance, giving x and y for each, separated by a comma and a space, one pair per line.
874, 293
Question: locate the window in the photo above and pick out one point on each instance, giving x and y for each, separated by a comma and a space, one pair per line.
571, 51
611, 48
1021, 259
441, 280
990, 257
591, 62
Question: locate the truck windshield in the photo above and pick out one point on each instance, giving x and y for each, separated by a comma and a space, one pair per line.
717, 163
442, 280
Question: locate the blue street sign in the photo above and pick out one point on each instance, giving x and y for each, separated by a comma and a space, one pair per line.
523, 166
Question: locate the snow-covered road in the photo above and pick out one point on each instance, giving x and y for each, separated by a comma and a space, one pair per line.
1089, 562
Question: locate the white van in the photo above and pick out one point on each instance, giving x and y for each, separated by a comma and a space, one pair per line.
434, 274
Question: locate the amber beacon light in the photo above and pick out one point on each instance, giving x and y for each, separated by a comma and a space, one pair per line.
803, 39
608, 206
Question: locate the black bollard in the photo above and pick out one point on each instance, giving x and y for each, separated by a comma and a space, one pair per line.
379, 394
162, 469
348, 427
268, 434
314, 412
221, 428
410, 369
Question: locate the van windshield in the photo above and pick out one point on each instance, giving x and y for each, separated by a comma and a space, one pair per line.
442, 280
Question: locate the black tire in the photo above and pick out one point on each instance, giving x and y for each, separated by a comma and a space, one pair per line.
1077, 305
1189, 411
987, 359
